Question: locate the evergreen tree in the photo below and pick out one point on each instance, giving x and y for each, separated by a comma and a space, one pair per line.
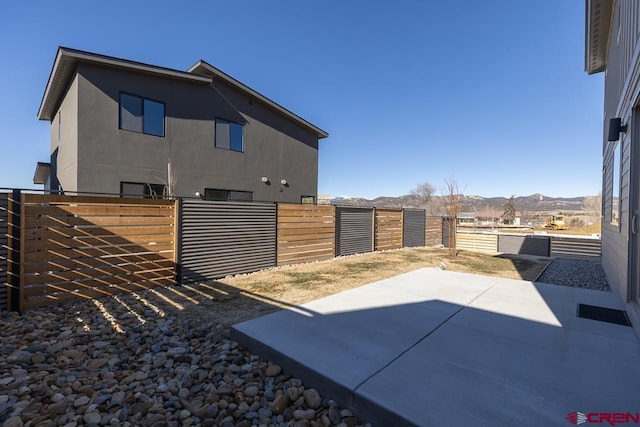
509, 214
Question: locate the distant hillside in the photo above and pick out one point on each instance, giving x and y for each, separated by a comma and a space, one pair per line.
529, 204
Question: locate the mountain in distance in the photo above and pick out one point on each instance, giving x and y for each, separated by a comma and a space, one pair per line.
472, 203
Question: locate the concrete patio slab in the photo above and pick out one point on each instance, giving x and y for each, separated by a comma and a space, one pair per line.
432, 347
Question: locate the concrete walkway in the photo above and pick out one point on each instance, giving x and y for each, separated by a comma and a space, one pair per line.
434, 347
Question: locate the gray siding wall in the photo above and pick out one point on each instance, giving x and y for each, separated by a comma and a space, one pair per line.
64, 137
218, 238
274, 147
4, 266
621, 94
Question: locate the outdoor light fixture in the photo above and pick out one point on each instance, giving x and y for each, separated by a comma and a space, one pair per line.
264, 179
198, 194
283, 181
615, 127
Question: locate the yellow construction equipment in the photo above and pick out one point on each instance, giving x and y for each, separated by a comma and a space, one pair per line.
556, 222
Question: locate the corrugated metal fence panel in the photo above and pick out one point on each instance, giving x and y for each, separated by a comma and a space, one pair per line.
354, 227
219, 238
4, 244
523, 244
477, 242
433, 231
413, 228
575, 247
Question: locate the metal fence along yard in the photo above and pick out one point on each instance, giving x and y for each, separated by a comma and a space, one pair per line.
58, 248
222, 238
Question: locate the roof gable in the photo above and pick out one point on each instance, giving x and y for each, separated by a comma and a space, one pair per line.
203, 67
64, 67
65, 64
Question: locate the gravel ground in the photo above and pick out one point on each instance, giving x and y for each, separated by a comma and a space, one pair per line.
138, 360
575, 273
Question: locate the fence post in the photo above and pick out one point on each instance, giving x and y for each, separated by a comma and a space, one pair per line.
14, 297
177, 245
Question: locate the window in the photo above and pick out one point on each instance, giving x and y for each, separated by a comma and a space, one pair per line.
139, 189
615, 186
227, 195
141, 115
307, 200
229, 135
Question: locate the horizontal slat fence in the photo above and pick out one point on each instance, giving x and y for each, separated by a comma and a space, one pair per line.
575, 247
83, 247
219, 238
413, 228
305, 233
388, 229
354, 228
477, 242
4, 246
433, 231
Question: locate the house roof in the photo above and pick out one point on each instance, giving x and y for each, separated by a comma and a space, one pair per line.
203, 67
66, 60
43, 170
598, 23
64, 68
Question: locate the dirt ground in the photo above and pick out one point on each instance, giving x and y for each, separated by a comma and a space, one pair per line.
244, 297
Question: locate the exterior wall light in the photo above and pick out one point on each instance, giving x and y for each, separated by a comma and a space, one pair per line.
264, 179
615, 128
283, 181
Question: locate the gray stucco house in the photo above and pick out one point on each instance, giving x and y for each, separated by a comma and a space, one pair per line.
116, 124
611, 46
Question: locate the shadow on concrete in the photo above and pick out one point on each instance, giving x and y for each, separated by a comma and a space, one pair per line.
443, 348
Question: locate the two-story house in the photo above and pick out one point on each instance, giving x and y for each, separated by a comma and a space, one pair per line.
117, 125
611, 46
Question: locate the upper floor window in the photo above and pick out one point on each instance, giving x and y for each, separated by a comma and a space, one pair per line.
229, 135
141, 115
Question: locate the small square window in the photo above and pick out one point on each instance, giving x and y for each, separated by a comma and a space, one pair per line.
307, 200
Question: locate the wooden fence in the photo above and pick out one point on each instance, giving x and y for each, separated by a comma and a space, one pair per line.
477, 241
305, 233
93, 246
55, 248
388, 229
433, 231
555, 246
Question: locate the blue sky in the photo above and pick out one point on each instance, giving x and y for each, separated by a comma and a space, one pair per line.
492, 93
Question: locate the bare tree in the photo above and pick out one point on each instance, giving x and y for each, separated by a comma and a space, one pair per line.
169, 186
423, 194
452, 198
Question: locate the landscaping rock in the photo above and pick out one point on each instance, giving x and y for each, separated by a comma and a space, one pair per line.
72, 365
